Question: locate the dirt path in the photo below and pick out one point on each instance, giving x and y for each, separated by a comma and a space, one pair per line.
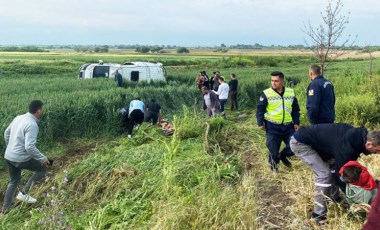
273, 213
273, 201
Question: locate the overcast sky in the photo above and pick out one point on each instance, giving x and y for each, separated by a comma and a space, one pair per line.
175, 22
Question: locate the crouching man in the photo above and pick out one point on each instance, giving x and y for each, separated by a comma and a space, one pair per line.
136, 114
325, 148
22, 153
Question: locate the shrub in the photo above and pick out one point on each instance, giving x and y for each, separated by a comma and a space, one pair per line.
182, 50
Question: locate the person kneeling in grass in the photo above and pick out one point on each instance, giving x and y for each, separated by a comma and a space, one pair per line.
136, 113
361, 186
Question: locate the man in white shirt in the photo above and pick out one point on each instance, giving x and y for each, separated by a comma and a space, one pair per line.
223, 91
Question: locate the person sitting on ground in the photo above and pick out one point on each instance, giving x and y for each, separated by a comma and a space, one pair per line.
210, 101
361, 186
22, 153
154, 112
136, 114
167, 127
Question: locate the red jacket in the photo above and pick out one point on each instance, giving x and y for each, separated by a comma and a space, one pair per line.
365, 181
373, 220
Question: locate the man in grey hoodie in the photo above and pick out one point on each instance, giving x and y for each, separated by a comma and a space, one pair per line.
22, 153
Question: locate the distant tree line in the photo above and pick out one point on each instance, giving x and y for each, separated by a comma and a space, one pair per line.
290, 47
159, 49
147, 49
163, 48
22, 49
95, 49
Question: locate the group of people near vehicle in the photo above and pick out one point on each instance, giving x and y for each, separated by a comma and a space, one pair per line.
329, 149
215, 93
136, 114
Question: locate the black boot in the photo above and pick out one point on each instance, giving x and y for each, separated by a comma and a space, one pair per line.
285, 160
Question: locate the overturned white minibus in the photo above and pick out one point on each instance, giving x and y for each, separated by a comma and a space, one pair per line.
131, 71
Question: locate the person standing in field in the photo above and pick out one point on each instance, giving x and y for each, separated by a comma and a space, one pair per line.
215, 84
119, 79
199, 81
206, 79
211, 83
233, 92
325, 148
278, 113
210, 101
136, 114
154, 112
222, 93
320, 102
21, 153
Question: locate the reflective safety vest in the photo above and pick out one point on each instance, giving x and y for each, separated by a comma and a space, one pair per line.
279, 108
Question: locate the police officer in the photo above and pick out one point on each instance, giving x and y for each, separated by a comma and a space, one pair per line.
278, 113
320, 103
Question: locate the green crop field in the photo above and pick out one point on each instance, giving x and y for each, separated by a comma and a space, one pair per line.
211, 174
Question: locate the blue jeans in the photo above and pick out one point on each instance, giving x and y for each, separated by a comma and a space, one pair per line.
273, 142
222, 102
15, 174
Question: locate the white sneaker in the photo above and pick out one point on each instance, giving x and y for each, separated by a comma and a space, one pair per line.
129, 136
26, 198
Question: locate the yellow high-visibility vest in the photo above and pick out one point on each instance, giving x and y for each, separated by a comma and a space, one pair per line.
279, 109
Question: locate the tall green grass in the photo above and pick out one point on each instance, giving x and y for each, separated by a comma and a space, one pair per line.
157, 183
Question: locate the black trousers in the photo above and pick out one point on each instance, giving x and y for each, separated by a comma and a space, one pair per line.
233, 100
273, 143
151, 117
135, 118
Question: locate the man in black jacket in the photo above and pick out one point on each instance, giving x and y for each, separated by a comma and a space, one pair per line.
233, 92
154, 112
325, 148
320, 101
